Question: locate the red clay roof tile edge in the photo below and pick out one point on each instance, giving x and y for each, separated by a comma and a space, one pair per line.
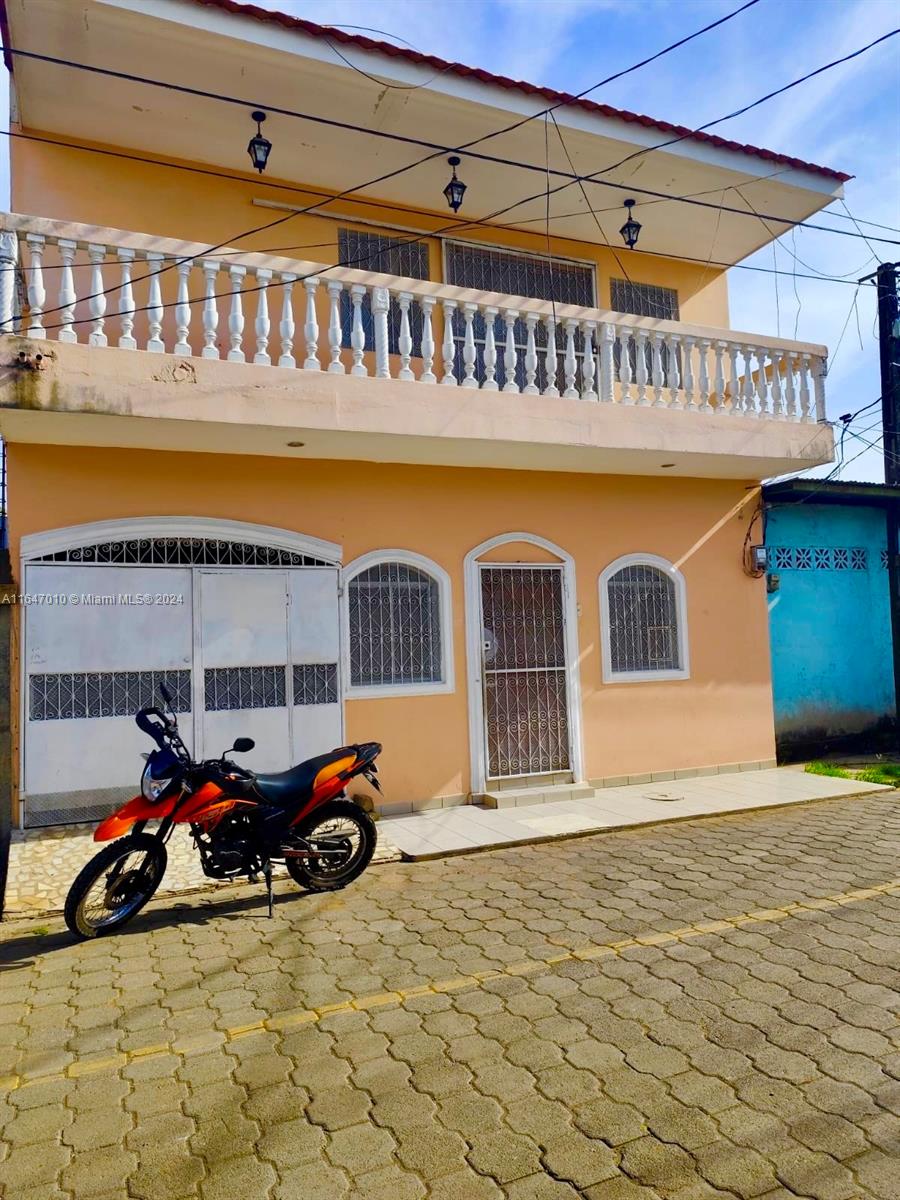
364, 43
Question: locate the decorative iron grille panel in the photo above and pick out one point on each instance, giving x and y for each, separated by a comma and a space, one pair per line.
645, 300
822, 558
885, 559
315, 683
88, 694
244, 687
395, 626
643, 620
390, 256
525, 697
514, 274
183, 552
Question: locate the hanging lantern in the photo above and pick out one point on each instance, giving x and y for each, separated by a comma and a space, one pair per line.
631, 230
259, 147
455, 189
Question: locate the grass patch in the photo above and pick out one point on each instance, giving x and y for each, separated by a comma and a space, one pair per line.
886, 773
822, 768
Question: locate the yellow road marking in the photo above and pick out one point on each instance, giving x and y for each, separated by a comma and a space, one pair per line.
286, 1020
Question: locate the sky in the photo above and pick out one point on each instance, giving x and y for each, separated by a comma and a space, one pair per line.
847, 118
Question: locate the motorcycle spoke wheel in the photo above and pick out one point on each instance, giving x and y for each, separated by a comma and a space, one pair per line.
341, 841
115, 885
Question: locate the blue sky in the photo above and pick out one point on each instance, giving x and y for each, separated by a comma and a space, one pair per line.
848, 118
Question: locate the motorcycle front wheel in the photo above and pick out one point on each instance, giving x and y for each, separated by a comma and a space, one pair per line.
115, 885
341, 840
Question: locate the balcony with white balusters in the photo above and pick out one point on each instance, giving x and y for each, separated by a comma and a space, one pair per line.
327, 353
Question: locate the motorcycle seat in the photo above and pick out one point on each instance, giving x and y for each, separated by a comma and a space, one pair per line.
297, 782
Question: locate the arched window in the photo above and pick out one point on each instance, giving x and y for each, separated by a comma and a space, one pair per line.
643, 620
397, 625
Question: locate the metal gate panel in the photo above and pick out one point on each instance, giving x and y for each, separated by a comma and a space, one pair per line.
90, 663
524, 671
317, 716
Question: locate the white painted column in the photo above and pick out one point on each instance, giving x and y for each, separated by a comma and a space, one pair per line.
551, 361
67, 296
625, 365
531, 358
155, 310
510, 357
777, 357
210, 312
97, 302
262, 325
640, 340
127, 339
37, 295
673, 341
236, 316
819, 386
735, 381
469, 380
748, 404
426, 303
311, 326
9, 257
357, 333
804, 388
404, 341
588, 365
607, 362
448, 347
656, 371
183, 308
687, 374
703, 378
490, 351
570, 362
762, 382
335, 327
790, 396
286, 326
720, 377
381, 302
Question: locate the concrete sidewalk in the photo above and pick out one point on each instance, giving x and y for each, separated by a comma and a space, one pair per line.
470, 827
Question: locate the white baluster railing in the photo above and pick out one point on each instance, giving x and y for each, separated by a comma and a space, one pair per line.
585, 353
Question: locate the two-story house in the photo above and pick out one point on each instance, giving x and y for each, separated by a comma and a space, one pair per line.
341, 462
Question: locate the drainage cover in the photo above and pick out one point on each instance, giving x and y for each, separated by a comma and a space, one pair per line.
663, 796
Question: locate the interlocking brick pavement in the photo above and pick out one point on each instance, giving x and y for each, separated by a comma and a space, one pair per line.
698, 1010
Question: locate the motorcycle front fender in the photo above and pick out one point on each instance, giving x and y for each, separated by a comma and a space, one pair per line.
137, 809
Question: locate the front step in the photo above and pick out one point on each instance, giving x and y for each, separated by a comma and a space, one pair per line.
539, 795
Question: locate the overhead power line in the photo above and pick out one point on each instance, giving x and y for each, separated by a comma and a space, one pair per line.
437, 149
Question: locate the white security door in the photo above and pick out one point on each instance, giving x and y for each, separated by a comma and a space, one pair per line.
95, 650
314, 644
242, 684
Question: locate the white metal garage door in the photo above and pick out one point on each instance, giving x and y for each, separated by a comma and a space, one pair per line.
246, 651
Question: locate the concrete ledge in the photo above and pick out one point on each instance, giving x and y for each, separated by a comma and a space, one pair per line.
611, 781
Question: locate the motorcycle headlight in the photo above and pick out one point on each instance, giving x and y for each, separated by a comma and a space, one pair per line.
151, 788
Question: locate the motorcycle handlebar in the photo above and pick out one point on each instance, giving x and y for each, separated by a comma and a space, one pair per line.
154, 729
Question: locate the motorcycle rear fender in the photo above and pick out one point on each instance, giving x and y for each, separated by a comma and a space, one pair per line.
137, 809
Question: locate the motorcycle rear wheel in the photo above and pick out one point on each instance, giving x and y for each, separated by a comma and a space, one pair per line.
342, 828
115, 885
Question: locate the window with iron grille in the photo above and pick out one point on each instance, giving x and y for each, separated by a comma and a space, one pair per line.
395, 635
642, 603
512, 274
399, 256
645, 300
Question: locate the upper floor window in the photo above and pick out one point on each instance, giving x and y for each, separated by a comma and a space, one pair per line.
643, 620
401, 256
397, 625
643, 300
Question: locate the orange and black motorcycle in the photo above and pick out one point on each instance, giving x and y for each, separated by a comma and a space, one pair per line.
241, 823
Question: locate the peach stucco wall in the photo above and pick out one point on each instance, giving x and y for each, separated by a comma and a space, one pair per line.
76, 184
723, 713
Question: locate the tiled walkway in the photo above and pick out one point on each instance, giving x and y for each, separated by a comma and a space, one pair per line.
444, 831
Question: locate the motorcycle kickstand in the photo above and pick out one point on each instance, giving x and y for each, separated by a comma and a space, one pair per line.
267, 872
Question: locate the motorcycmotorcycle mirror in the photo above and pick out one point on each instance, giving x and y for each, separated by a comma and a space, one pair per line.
243, 745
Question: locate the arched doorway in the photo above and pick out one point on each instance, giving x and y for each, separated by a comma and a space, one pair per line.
240, 621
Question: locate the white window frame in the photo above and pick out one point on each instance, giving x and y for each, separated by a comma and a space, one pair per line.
407, 558
649, 676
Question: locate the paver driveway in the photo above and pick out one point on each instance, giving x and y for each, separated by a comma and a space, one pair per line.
679, 1011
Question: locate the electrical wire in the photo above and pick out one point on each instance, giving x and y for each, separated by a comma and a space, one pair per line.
438, 149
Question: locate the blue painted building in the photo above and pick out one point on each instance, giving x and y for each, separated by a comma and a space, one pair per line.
830, 617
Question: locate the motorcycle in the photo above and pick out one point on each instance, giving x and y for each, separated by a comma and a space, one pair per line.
241, 823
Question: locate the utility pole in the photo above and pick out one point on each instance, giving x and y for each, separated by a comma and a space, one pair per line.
889, 347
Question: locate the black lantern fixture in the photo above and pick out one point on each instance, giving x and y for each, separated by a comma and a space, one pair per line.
259, 147
631, 230
455, 189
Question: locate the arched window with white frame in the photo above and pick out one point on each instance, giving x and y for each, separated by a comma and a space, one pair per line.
643, 619
397, 625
